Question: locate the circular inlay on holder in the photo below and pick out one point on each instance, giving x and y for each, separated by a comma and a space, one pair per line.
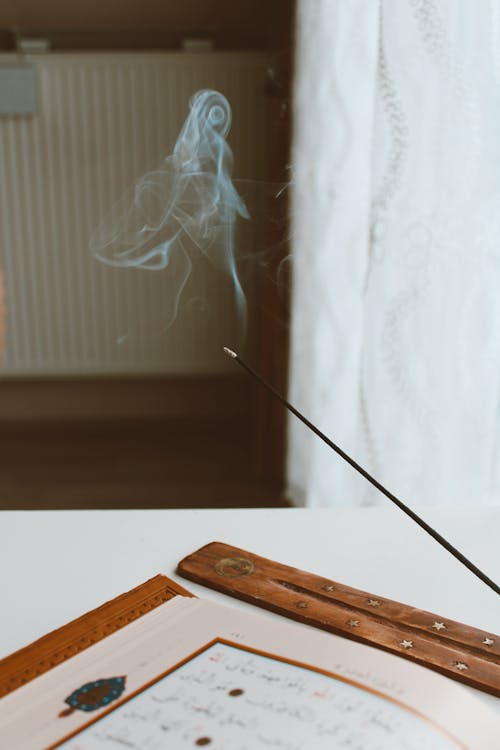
234, 567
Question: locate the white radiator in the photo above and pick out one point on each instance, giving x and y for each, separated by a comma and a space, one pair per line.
102, 121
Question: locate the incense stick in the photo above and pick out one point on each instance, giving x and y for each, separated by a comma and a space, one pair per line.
423, 525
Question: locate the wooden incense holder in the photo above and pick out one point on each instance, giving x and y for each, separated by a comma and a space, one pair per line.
458, 651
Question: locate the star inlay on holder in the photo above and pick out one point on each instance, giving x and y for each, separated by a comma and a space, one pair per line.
439, 626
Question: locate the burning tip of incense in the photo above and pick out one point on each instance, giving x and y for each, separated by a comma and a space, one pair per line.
229, 352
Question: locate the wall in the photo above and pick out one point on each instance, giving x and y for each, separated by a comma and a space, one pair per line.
255, 433
250, 23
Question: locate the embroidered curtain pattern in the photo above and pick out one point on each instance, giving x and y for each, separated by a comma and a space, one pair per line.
396, 247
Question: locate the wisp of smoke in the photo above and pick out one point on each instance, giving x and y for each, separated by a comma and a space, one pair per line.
190, 201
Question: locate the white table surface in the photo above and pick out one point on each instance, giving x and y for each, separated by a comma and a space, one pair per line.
56, 565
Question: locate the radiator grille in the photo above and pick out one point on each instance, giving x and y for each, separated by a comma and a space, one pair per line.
102, 121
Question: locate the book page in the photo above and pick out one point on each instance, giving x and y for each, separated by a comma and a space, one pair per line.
193, 674
227, 696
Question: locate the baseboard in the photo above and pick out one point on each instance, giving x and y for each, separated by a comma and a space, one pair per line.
59, 399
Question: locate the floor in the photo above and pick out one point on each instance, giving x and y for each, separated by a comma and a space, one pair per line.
129, 464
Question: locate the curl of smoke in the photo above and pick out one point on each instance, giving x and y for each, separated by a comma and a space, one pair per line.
189, 201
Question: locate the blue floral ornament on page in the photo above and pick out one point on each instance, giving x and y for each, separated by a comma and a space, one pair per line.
94, 695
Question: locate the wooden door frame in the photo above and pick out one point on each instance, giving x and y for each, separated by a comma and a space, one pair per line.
272, 355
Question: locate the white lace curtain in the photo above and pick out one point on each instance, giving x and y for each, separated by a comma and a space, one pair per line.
396, 246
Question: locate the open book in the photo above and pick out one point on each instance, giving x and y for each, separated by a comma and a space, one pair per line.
193, 673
